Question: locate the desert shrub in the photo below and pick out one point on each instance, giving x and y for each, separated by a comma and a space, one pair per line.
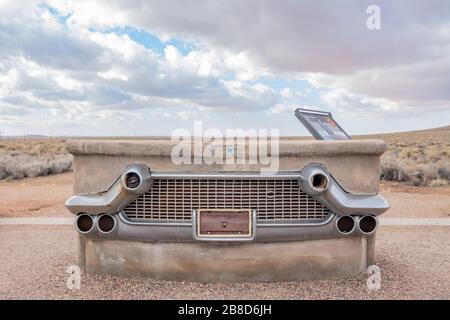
422, 174
41, 160
420, 159
392, 170
412, 172
444, 171
438, 183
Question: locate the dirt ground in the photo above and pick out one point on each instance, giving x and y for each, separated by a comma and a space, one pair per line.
45, 197
416, 202
33, 197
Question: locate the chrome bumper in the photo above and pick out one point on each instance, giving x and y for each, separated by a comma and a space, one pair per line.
184, 232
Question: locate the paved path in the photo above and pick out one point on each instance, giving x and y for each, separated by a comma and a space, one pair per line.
384, 221
415, 221
37, 221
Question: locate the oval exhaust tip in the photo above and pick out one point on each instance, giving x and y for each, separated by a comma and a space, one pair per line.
84, 223
132, 180
368, 224
345, 224
106, 223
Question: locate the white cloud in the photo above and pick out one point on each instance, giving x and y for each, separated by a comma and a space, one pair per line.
291, 94
189, 115
406, 61
204, 64
346, 102
282, 108
242, 64
74, 66
423, 84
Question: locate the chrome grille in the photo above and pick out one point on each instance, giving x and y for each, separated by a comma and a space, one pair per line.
275, 200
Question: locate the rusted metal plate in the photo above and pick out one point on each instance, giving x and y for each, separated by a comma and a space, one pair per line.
224, 222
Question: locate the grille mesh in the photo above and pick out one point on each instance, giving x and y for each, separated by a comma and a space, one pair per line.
275, 200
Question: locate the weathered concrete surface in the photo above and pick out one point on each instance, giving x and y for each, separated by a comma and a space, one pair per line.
243, 262
371, 249
163, 147
97, 163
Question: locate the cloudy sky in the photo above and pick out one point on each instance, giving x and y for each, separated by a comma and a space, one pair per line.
149, 67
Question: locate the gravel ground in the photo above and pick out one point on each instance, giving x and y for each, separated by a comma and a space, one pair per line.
414, 262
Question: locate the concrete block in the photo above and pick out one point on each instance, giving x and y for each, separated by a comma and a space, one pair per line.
235, 262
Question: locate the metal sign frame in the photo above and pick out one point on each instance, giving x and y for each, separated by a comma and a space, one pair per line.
299, 113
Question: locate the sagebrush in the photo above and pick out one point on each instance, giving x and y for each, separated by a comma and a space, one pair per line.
31, 158
420, 158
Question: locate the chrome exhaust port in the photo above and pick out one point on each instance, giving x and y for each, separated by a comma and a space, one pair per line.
106, 223
318, 182
84, 223
345, 224
367, 224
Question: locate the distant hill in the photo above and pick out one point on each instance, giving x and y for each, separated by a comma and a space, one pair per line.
427, 132
433, 132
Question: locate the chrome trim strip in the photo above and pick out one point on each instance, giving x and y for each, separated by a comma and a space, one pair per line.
225, 175
184, 233
125, 219
300, 224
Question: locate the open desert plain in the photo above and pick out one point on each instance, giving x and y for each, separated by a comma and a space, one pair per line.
40, 242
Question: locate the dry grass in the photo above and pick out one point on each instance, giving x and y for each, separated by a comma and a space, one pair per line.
420, 158
21, 158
